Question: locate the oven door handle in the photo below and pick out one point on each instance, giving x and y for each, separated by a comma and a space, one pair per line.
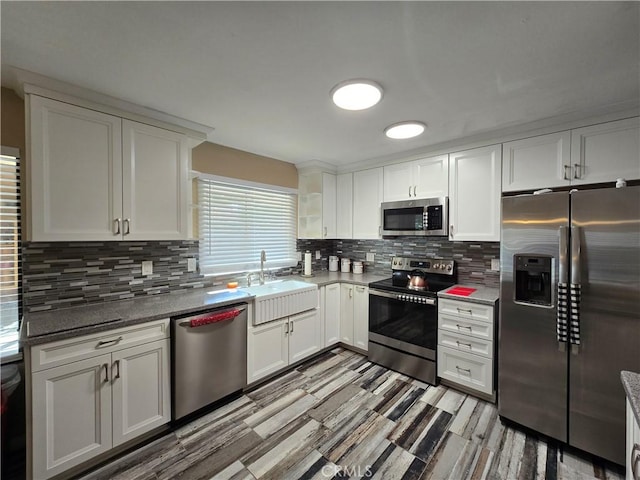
398, 296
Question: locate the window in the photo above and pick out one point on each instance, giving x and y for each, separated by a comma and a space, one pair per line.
238, 221
10, 269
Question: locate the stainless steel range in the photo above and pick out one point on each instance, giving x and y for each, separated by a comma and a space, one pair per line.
403, 315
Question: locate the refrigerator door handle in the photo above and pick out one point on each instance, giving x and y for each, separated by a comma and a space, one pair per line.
574, 290
562, 310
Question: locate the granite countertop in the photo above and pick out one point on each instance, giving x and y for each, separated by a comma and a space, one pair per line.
482, 294
49, 326
631, 383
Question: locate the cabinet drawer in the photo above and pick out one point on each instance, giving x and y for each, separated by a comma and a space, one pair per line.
53, 354
466, 309
466, 369
466, 326
465, 343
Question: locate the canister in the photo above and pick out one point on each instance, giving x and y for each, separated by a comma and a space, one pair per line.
357, 267
345, 266
333, 263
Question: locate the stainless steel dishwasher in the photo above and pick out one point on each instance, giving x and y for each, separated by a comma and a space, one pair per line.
209, 357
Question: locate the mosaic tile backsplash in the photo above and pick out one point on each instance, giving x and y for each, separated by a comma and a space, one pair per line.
63, 274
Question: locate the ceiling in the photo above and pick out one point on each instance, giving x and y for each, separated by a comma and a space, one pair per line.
260, 73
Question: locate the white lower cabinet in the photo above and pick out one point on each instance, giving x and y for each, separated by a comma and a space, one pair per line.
354, 315
466, 345
87, 406
633, 445
331, 314
275, 345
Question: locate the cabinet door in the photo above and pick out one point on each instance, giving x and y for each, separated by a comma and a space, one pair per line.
361, 318
140, 386
305, 335
332, 314
75, 172
344, 206
537, 162
346, 313
267, 349
431, 177
328, 205
367, 195
398, 182
156, 186
71, 415
605, 152
474, 194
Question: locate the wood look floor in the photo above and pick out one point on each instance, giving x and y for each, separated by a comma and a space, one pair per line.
339, 416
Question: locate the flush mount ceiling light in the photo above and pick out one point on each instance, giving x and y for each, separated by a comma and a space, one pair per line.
356, 94
404, 130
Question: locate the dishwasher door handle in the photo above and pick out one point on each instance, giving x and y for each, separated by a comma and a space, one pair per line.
214, 318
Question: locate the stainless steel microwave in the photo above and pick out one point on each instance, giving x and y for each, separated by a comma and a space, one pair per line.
420, 217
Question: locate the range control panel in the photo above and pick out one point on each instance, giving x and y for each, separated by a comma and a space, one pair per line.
431, 265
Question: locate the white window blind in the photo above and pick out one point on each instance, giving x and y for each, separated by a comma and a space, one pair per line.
10, 277
237, 222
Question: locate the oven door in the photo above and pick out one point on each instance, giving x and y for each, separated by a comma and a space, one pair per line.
404, 325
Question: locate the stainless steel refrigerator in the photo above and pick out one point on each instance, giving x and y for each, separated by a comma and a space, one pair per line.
570, 314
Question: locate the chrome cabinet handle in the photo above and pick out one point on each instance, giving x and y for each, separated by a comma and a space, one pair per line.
379, 230
414, 191
116, 364
462, 343
127, 222
291, 329
286, 328
117, 222
350, 292
576, 167
635, 460
360, 289
466, 310
468, 370
325, 231
106, 372
103, 343
409, 190
564, 175
463, 326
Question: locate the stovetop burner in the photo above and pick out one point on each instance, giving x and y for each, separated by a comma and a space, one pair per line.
438, 274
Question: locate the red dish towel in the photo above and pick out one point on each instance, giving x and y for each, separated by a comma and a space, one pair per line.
462, 291
215, 318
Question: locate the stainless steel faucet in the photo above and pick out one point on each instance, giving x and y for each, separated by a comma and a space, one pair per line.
263, 258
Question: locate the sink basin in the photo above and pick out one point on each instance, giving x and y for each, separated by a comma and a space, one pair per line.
281, 298
278, 286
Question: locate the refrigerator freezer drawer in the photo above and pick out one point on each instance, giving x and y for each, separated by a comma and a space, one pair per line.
472, 327
466, 309
465, 343
472, 371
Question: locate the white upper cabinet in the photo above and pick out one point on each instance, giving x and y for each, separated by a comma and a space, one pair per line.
317, 205
344, 205
95, 176
75, 187
425, 178
474, 194
155, 183
598, 153
605, 152
367, 196
536, 162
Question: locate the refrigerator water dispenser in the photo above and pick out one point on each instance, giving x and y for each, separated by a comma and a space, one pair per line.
533, 279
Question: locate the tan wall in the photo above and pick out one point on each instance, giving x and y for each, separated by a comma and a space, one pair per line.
12, 132
229, 162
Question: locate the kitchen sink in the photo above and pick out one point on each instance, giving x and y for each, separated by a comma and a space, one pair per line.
281, 298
